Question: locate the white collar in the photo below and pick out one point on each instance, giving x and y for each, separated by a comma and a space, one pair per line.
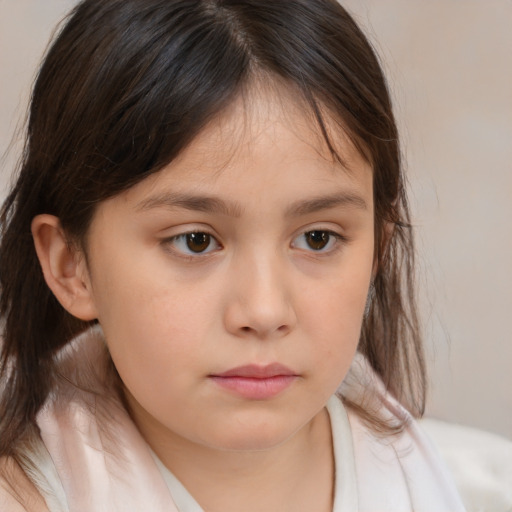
345, 485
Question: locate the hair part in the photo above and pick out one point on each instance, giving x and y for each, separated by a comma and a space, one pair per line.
123, 89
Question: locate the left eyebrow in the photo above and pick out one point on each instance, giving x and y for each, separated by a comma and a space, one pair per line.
344, 199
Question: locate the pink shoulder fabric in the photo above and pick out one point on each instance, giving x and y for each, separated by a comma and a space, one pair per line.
104, 466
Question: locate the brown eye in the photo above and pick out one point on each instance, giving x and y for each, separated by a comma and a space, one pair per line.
317, 240
198, 242
191, 244
322, 241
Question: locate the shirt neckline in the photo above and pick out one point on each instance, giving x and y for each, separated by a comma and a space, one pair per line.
345, 484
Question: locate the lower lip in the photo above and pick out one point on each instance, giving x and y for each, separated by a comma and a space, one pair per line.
255, 388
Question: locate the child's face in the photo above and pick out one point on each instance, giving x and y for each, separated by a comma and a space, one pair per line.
234, 337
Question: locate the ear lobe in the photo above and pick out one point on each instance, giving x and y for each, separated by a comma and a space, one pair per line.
64, 268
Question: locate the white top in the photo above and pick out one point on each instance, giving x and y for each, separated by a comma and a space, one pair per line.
480, 462
345, 474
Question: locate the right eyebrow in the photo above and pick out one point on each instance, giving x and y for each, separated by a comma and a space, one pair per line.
198, 203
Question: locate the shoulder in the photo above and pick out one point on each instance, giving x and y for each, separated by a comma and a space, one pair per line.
17, 493
480, 462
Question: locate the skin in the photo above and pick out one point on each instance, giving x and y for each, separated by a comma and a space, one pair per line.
260, 290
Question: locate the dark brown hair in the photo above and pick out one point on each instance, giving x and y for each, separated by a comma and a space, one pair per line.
125, 86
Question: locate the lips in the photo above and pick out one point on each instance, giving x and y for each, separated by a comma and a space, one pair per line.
253, 371
256, 382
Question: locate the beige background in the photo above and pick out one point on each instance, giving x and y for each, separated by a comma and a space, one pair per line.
449, 63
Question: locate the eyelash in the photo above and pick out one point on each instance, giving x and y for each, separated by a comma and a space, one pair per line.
185, 238
334, 242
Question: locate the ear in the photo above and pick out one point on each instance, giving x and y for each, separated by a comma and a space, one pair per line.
64, 267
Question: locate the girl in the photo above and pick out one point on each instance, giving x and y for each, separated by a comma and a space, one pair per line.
207, 271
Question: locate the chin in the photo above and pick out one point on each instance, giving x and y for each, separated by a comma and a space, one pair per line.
252, 438
251, 443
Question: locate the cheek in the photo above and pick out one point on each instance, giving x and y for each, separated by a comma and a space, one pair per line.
154, 344
334, 319
152, 328
155, 325
337, 334
144, 292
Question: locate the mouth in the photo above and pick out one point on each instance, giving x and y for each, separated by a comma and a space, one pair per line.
256, 382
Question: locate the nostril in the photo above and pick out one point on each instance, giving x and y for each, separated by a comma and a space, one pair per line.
283, 328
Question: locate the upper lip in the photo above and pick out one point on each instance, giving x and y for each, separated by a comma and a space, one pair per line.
254, 371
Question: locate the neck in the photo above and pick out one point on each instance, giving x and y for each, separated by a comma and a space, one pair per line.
297, 475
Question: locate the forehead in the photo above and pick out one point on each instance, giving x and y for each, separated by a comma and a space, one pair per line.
266, 138
270, 120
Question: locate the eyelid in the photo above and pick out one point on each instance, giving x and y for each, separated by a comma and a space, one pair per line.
169, 242
339, 240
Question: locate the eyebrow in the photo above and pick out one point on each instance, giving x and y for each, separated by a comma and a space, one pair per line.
191, 202
316, 204
209, 204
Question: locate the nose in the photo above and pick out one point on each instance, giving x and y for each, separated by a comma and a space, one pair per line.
260, 303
